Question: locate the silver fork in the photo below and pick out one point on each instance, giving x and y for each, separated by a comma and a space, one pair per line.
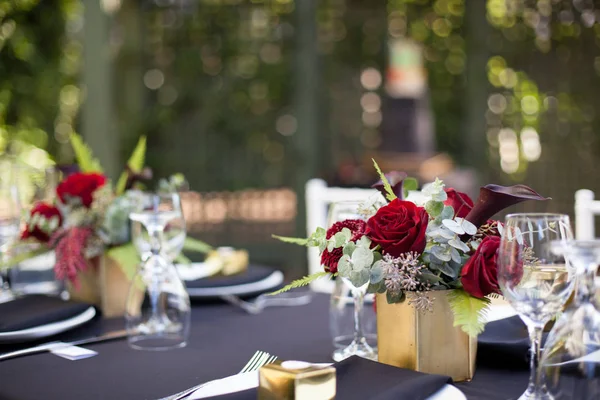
259, 359
257, 305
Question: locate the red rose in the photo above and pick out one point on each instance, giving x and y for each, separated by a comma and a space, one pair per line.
80, 186
398, 227
330, 259
40, 225
460, 201
480, 273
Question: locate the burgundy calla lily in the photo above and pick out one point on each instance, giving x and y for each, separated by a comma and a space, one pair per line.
495, 198
395, 178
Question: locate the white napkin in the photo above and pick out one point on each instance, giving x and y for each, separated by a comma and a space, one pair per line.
197, 270
231, 384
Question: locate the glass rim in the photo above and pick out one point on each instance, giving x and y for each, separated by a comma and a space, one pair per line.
536, 215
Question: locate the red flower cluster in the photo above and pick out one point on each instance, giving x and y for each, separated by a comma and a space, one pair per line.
399, 227
80, 186
45, 211
330, 259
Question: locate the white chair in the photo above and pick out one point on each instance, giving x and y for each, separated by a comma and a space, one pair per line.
318, 198
585, 210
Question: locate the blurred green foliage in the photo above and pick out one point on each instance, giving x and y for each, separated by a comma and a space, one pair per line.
39, 63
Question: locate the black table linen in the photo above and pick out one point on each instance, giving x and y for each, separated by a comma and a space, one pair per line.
222, 340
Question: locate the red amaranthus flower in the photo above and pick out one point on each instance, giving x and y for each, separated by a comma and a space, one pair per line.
70, 252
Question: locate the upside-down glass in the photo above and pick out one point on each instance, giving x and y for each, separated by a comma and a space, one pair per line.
341, 317
534, 279
10, 219
158, 306
359, 345
174, 234
571, 356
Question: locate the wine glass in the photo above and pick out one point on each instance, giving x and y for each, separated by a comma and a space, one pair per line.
174, 233
10, 221
158, 306
534, 279
359, 345
570, 360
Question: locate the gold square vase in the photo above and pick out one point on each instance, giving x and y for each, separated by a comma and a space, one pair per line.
424, 341
104, 285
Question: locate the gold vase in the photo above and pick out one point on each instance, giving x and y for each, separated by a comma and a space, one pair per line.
104, 285
424, 341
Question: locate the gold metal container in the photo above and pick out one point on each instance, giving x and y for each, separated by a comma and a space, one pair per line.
296, 380
424, 341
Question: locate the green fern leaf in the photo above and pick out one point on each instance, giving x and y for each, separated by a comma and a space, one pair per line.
285, 239
469, 312
390, 195
83, 155
301, 282
135, 163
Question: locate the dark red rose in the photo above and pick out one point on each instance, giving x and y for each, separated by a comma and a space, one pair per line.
80, 186
39, 226
480, 273
330, 259
398, 227
461, 202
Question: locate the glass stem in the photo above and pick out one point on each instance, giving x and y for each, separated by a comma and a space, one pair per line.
155, 233
535, 336
359, 301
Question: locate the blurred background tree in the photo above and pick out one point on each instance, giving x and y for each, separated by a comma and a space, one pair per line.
263, 94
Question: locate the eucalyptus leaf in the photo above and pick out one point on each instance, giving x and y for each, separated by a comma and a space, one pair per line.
330, 245
378, 287
446, 233
467, 226
345, 266
430, 278
395, 297
362, 257
339, 239
376, 274
447, 213
434, 208
448, 270
453, 226
347, 234
359, 278
349, 248
440, 253
458, 244
455, 255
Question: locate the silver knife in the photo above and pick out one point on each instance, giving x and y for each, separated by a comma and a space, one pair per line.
58, 345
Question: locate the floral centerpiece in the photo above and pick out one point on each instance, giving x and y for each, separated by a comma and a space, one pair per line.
415, 243
88, 224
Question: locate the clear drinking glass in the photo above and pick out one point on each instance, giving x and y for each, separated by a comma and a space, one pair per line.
158, 306
534, 279
359, 345
571, 357
174, 234
341, 317
10, 220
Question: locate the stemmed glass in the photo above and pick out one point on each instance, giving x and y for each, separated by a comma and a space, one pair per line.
571, 356
359, 346
534, 279
10, 220
174, 234
158, 306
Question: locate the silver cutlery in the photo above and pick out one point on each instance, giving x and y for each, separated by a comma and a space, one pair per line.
58, 345
259, 359
257, 305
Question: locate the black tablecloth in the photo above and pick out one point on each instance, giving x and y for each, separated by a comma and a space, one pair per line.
222, 339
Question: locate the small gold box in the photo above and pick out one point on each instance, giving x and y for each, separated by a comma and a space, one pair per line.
296, 380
